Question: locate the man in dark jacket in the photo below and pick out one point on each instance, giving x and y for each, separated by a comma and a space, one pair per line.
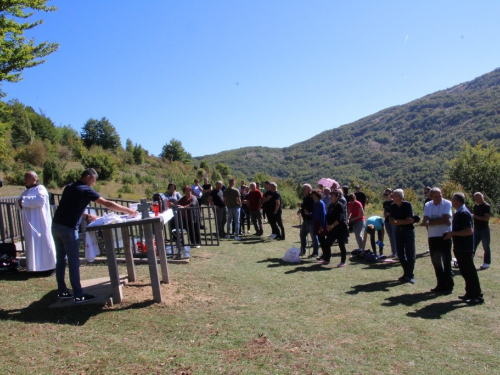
307, 226
463, 248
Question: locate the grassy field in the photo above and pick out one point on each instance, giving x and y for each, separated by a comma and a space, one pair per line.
236, 309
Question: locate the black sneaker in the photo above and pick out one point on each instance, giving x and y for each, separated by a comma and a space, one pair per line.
466, 297
65, 295
475, 301
85, 298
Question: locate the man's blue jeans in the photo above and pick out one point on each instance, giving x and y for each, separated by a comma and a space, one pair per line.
307, 227
483, 235
391, 233
405, 244
233, 214
67, 245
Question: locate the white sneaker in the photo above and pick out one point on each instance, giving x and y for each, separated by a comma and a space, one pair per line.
228, 236
272, 236
485, 266
340, 265
237, 238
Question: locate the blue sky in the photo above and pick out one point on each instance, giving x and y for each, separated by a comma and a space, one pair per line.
219, 75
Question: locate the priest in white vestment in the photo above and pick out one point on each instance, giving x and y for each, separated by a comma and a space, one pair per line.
37, 222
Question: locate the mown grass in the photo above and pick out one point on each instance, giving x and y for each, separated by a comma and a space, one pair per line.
236, 309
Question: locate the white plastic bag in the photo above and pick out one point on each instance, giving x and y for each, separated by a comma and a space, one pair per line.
292, 255
91, 247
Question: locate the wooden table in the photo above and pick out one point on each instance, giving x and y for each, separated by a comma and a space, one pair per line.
149, 225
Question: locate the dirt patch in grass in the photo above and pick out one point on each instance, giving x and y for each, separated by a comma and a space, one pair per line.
141, 292
258, 347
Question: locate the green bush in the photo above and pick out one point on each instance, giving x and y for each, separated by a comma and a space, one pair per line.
127, 179
34, 153
52, 173
102, 163
126, 189
71, 176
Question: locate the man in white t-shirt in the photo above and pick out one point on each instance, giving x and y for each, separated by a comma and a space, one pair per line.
437, 219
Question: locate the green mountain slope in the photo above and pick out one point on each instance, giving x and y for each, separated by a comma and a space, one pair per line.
401, 146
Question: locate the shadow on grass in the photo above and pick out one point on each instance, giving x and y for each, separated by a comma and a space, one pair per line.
76, 315
313, 268
436, 310
39, 312
378, 286
278, 262
410, 299
23, 275
380, 265
251, 241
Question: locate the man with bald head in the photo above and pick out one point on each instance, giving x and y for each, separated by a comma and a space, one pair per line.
37, 221
481, 214
437, 219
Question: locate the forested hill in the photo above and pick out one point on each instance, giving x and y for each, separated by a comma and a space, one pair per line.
405, 145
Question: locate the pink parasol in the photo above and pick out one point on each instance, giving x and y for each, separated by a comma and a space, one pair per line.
328, 182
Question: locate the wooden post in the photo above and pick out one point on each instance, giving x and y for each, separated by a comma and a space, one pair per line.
153, 268
129, 256
160, 245
114, 275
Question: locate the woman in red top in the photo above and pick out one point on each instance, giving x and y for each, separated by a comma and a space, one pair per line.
356, 218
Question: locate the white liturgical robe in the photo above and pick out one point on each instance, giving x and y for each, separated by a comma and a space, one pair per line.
37, 222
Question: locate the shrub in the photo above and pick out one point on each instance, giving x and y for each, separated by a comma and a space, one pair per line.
71, 176
52, 173
130, 180
17, 177
102, 163
34, 153
126, 189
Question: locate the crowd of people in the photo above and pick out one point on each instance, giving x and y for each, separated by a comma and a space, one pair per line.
329, 215
462, 231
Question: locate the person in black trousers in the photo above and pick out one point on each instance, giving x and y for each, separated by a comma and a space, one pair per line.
337, 229
401, 216
463, 248
275, 215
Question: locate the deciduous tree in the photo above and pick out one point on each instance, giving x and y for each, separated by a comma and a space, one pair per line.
174, 151
477, 168
16, 52
100, 133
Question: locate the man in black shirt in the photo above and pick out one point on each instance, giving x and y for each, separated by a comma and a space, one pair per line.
206, 189
307, 226
67, 218
274, 212
216, 199
427, 192
401, 216
360, 196
482, 213
463, 248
